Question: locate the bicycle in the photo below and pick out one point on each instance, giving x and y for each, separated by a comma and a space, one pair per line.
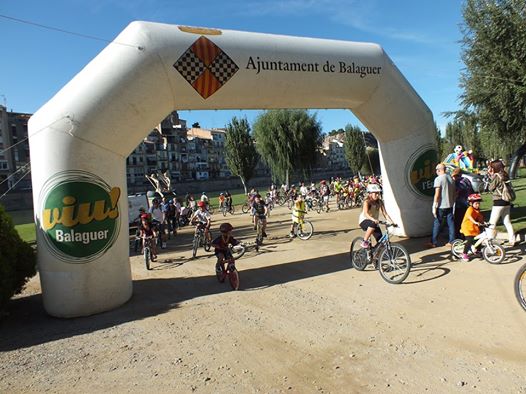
227, 209
238, 250
147, 250
230, 271
491, 252
391, 259
303, 230
199, 240
246, 207
520, 286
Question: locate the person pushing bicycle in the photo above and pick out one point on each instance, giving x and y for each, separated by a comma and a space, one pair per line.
260, 210
202, 218
221, 244
372, 207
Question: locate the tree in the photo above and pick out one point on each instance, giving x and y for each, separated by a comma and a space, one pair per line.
17, 260
494, 80
287, 140
241, 156
354, 146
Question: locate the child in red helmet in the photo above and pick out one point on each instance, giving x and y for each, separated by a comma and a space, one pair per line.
220, 244
146, 229
471, 223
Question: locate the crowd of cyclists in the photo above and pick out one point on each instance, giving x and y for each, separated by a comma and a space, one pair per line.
166, 215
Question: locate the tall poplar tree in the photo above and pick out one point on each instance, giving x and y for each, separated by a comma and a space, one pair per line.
354, 146
287, 140
240, 153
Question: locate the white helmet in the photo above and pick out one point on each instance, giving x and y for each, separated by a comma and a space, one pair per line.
374, 188
458, 148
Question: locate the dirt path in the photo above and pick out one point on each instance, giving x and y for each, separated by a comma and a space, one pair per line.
303, 322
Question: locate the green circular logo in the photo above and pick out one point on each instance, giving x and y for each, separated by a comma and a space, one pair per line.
421, 171
79, 216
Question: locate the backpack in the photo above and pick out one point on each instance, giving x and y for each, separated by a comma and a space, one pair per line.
507, 194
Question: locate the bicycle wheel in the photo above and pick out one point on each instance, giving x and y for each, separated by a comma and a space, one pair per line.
282, 200
220, 275
245, 208
207, 245
232, 210
394, 264
210, 209
223, 210
494, 254
195, 245
520, 286
457, 248
305, 231
233, 277
238, 251
147, 258
358, 255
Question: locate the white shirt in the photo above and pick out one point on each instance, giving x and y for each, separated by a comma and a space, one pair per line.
202, 216
157, 213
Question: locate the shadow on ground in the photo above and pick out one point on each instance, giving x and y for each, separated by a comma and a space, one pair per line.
151, 297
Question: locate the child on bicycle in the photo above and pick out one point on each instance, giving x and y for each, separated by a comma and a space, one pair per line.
372, 207
146, 229
471, 223
202, 217
220, 244
298, 213
221, 200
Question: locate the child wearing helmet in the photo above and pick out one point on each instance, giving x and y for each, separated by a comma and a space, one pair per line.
471, 223
372, 207
221, 200
298, 213
324, 194
146, 229
220, 244
202, 218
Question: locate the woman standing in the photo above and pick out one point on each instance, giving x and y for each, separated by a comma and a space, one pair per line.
500, 207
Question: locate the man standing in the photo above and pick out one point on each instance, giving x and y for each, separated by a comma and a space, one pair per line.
443, 202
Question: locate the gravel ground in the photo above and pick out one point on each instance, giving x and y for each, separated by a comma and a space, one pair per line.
302, 322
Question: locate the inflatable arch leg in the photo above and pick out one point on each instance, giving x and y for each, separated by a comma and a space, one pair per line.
80, 139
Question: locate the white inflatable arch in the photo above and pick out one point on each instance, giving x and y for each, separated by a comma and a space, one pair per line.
80, 139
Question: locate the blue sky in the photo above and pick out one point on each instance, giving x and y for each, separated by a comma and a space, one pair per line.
420, 36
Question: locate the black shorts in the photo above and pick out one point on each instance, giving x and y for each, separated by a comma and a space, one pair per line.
365, 224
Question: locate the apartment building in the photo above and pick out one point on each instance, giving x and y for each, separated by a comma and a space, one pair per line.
14, 151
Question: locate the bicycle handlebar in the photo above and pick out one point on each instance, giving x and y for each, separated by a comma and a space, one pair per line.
387, 224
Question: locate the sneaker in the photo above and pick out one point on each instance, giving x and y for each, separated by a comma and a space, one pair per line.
291, 235
431, 245
465, 257
264, 234
364, 244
